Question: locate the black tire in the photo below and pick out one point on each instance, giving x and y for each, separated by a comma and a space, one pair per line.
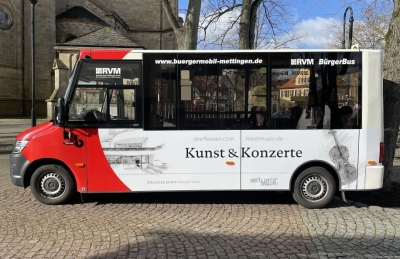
52, 184
314, 188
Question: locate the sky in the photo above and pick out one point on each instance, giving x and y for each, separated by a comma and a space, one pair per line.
310, 16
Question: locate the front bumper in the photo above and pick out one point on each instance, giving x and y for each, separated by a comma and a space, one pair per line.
18, 166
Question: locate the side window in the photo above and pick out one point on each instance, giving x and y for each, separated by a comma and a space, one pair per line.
317, 91
293, 89
92, 104
107, 93
86, 104
258, 104
122, 104
223, 91
160, 106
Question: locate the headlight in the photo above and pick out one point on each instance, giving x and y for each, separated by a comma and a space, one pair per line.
19, 146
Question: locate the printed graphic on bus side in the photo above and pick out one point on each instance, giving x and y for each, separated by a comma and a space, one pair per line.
221, 160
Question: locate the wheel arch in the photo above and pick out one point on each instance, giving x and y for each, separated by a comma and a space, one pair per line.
45, 161
319, 163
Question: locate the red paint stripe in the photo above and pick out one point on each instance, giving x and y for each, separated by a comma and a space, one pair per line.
107, 54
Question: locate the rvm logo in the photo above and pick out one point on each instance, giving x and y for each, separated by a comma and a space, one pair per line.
296, 62
108, 71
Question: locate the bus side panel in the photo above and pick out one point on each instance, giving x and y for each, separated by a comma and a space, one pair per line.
171, 160
372, 112
101, 177
50, 145
269, 158
370, 139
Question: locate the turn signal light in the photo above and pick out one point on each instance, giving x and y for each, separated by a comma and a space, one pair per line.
371, 162
79, 165
230, 162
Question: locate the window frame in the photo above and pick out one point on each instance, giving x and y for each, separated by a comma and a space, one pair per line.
121, 123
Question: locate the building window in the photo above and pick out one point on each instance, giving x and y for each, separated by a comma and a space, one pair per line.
5, 18
69, 38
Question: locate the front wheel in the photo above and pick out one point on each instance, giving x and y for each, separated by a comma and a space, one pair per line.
52, 184
314, 188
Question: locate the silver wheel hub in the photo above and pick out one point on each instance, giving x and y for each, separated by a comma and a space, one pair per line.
314, 188
52, 185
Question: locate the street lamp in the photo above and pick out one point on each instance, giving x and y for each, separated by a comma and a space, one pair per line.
351, 20
33, 112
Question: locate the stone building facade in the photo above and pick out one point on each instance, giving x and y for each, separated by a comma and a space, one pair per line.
58, 23
15, 56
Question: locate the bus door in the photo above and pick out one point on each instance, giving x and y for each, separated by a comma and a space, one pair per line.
107, 101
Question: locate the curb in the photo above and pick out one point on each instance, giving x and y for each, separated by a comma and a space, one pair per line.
6, 148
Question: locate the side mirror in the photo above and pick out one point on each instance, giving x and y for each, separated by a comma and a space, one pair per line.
55, 114
60, 111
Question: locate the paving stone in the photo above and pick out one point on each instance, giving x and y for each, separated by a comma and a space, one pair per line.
360, 205
377, 208
149, 226
351, 232
142, 229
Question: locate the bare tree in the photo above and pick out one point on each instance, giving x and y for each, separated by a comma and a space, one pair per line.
186, 35
246, 24
391, 93
369, 32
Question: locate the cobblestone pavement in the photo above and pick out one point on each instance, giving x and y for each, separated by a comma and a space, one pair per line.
151, 226
191, 225
354, 232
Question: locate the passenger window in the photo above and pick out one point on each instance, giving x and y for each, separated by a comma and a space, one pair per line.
218, 92
161, 107
315, 95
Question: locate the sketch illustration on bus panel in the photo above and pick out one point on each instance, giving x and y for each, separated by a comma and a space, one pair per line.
340, 156
126, 151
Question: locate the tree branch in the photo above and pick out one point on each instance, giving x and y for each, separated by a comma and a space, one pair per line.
170, 14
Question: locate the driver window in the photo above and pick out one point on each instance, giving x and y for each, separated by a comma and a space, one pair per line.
87, 104
122, 104
93, 104
107, 92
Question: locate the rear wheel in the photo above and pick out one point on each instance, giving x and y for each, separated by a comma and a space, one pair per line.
52, 184
314, 188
